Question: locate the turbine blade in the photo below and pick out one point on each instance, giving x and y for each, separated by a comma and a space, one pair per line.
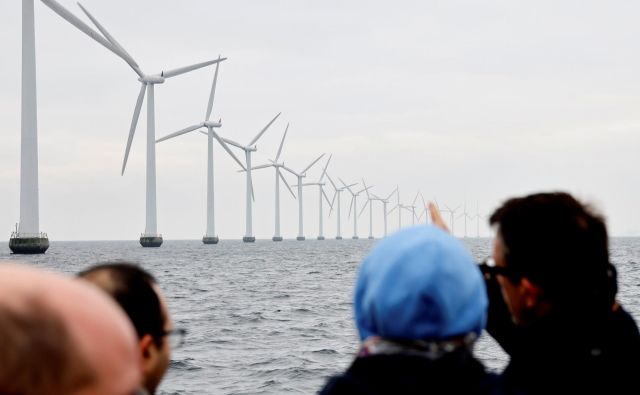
363, 207
253, 197
312, 163
127, 58
291, 171
261, 167
332, 183
263, 130
286, 183
391, 194
326, 197
235, 144
134, 123
186, 69
282, 142
332, 201
83, 27
180, 132
351, 205
226, 148
324, 171
415, 198
390, 211
213, 91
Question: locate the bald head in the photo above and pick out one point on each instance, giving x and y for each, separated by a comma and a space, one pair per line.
61, 336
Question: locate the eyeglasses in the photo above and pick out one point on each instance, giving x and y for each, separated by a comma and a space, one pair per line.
176, 337
488, 267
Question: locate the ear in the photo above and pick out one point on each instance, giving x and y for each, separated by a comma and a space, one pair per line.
532, 294
148, 352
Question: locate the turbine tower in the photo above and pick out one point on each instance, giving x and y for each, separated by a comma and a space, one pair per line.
370, 204
210, 236
354, 204
384, 201
27, 238
277, 165
321, 194
150, 237
337, 193
248, 149
300, 175
451, 216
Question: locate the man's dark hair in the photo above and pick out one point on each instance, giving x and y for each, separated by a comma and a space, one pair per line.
132, 288
560, 245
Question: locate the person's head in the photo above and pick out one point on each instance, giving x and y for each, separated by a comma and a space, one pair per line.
556, 253
137, 292
419, 284
60, 336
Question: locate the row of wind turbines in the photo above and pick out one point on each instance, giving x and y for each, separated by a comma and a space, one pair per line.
28, 239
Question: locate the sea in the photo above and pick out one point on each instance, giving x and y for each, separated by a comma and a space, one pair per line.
267, 317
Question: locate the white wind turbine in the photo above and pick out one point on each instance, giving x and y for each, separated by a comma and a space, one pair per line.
451, 216
385, 201
277, 165
370, 204
321, 194
210, 236
465, 215
27, 238
150, 237
400, 207
354, 205
338, 191
413, 209
300, 176
248, 149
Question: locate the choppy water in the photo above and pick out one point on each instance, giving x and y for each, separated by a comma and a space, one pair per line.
270, 318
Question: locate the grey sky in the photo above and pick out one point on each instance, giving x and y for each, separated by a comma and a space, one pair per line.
462, 100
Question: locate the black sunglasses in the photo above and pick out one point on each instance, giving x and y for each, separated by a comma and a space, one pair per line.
488, 267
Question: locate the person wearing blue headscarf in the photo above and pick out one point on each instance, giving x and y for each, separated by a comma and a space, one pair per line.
420, 303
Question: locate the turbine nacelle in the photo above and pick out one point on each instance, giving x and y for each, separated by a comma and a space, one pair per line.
213, 124
151, 79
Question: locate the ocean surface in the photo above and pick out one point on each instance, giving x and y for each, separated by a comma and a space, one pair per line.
270, 318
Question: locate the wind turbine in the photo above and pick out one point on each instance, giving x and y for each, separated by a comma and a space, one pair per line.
413, 209
354, 204
337, 193
399, 206
150, 237
385, 201
27, 239
210, 236
451, 216
321, 194
368, 202
465, 215
248, 149
277, 165
300, 175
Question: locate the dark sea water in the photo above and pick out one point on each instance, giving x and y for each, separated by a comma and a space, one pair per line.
270, 318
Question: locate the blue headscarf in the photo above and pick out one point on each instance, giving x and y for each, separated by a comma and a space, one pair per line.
419, 284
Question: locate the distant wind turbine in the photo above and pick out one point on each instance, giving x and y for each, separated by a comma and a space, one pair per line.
248, 149
385, 201
277, 165
150, 237
369, 202
338, 191
300, 176
354, 205
210, 236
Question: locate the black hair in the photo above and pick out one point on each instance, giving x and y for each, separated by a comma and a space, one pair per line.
132, 288
561, 245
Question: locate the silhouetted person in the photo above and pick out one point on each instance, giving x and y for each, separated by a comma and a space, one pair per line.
60, 336
420, 303
137, 292
552, 300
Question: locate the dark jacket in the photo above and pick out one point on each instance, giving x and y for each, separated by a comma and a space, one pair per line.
456, 373
567, 353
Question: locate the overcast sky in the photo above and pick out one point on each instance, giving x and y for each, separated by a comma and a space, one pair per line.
465, 101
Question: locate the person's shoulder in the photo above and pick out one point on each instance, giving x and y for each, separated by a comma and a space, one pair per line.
344, 383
